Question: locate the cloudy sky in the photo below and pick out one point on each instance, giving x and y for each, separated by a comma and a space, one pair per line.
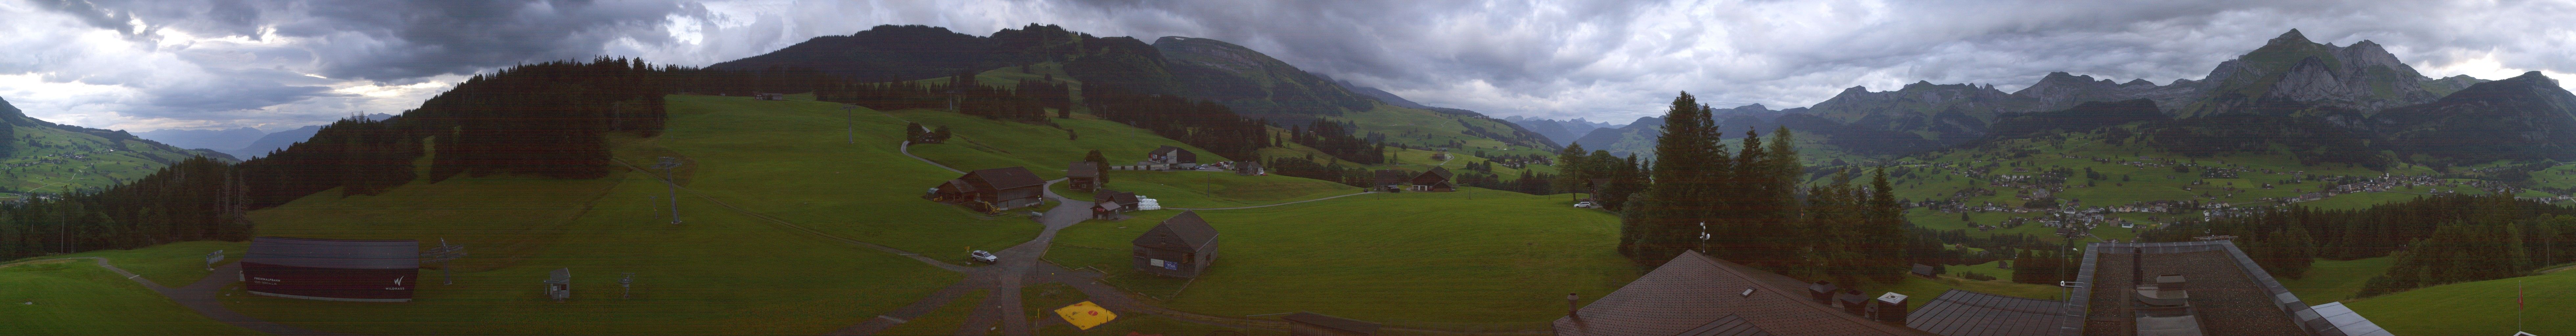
276, 64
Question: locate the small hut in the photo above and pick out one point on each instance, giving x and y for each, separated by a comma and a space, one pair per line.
559, 284
1082, 175
1312, 324
1436, 180
1179, 247
1924, 271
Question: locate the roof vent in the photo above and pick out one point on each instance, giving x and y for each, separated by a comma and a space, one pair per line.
1748, 292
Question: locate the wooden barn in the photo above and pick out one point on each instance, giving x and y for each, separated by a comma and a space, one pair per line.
1179, 247
1312, 324
991, 190
332, 270
1083, 175
1390, 179
1175, 156
1436, 180
1109, 203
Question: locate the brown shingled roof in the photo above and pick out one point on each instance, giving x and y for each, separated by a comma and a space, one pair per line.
1082, 169
1003, 178
1182, 232
1694, 291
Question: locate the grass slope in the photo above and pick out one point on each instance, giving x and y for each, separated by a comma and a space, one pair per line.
1214, 189
2478, 308
52, 160
2336, 280
80, 298
1469, 259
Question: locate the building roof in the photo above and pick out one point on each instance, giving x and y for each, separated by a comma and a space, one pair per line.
330, 253
1183, 232
1114, 196
2229, 294
1966, 313
1435, 175
1328, 321
1003, 178
1082, 169
1726, 326
957, 187
1696, 293
2349, 322
1392, 176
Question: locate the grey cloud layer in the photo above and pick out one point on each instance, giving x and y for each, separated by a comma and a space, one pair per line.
1608, 60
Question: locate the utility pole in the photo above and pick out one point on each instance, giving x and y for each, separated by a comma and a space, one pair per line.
444, 253
628, 283
853, 124
667, 165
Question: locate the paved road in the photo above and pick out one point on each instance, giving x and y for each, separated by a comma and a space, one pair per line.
201, 297
1273, 205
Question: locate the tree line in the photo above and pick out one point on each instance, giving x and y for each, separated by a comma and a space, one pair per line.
1747, 206
2436, 240
545, 119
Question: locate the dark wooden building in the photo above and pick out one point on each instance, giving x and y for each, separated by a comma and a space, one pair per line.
1082, 175
1180, 247
1249, 168
1390, 179
1109, 203
332, 270
1435, 180
1175, 156
1312, 324
992, 190
1695, 294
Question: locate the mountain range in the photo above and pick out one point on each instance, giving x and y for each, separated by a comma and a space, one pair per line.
41, 156
240, 142
2342, 100
1248, 82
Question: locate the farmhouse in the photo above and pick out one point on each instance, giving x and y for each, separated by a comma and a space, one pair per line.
1312, 324
2188, 288
1109, 203
1390, 179
1175, 157
1180, 247
1249, 168
1695, 294
992, 190
1436, 180
332, 270
1082, 175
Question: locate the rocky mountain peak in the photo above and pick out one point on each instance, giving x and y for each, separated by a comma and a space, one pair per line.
2292, 37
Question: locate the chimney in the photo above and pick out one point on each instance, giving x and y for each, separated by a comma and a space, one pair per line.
1888, 307
1853, 303
1822, 291
1571, 305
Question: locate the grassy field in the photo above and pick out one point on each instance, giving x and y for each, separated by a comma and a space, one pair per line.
785, 160
1920, 291
1470, 259
76, 297
944, 321
2336, 280
53, 161
2478, 308
981, 143
1213, 189
2358, 201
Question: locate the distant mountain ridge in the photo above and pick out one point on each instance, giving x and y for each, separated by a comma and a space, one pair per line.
2360, 93
67, 157
1246, 81
280, 140
204, 138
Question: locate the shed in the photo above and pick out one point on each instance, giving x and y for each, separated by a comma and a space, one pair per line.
1082, 175
1312, 324
1435, 180
1172, 156
1391, 179
999, 188
1925, 271
559, 284
1181, 246
332, 270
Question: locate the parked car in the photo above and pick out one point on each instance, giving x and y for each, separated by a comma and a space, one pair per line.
986, 257
1583, 205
